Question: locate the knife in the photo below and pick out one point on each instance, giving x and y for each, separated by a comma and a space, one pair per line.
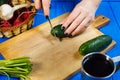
47, 17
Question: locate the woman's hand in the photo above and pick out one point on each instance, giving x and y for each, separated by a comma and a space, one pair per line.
82, 15
43, 4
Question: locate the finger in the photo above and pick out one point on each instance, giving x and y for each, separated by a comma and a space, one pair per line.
46, 6
91, 21
63, 21
82, 26
75, 23
71, 17
38, 4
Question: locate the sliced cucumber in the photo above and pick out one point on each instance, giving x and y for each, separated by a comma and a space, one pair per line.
57, 31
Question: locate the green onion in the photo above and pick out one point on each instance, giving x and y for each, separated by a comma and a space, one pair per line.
17, 67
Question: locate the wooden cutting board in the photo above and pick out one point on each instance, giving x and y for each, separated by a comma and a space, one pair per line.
52, 59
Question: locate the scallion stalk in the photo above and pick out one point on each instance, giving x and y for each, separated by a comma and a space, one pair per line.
17, 67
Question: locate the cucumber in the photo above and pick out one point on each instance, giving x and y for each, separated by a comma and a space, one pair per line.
95, 45
57, 31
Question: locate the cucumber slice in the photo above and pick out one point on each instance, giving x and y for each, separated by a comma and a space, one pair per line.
57, 31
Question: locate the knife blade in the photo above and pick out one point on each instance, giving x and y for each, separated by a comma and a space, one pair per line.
47, 17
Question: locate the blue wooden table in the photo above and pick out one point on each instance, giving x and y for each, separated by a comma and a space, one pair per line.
108, 8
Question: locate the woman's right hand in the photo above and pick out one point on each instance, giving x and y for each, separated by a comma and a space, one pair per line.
43, 4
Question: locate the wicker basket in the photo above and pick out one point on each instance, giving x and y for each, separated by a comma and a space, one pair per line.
25, 25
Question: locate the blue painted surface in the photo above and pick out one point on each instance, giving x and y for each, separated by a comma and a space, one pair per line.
106, 8
116, 11
114, 0
112, 28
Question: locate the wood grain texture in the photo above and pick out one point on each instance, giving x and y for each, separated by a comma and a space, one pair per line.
52, 59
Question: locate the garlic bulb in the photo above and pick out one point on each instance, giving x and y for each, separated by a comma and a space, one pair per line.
6, 11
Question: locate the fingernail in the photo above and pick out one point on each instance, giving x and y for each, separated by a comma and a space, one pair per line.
62, 28
70, 35
66, 34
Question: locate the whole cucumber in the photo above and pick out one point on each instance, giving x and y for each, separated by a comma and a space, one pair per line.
95, 45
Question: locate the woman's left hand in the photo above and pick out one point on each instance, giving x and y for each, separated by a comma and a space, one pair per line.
81, 17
